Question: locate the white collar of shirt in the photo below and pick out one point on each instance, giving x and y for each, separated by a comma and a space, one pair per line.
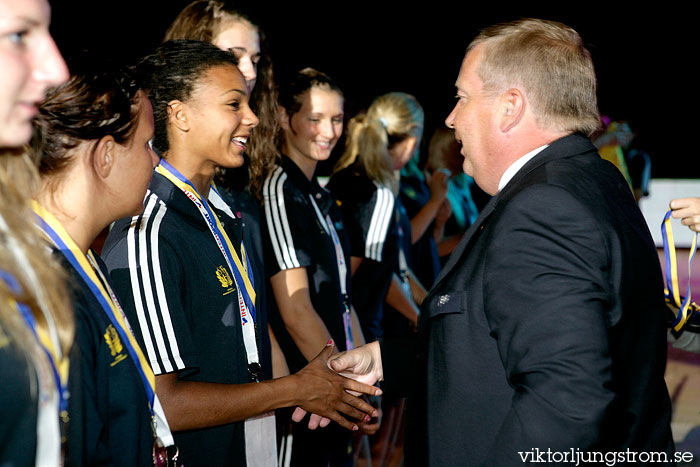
517, 165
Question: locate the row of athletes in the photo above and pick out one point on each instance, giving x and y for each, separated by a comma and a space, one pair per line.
181, 301
533, 337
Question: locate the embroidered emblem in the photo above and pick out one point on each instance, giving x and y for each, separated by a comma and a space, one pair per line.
224, 277
443, 299
115, 344
410, 192
338, 202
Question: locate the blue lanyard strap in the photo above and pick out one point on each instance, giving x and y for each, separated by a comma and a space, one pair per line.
59, 364
58, 235
244, 252
243, 275
672, 289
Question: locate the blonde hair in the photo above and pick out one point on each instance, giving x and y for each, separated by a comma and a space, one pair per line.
441, 147
389, 120
367, 147
24, 256
549, 61
204, 20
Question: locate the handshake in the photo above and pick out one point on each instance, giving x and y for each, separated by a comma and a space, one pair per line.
334, 384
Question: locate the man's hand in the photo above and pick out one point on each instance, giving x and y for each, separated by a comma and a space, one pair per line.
327, 394
688, 210
363, 364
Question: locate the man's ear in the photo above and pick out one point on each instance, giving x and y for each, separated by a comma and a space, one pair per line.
283, 117
513, 109
103, 156
178, 115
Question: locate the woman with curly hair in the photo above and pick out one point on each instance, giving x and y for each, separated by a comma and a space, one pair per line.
231, 30
183, 268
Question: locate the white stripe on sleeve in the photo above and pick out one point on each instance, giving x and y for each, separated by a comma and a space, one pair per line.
160, 289
379, 223
136, 288
148, 288
277, 222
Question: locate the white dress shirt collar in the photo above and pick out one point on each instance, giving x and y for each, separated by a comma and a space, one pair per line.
517, 165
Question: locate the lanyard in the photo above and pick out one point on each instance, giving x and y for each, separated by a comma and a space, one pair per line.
327, 224
88, 270
52, 349
403, 263
672, 292
242, 270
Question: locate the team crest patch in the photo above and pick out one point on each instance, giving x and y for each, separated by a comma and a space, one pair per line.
410, 192
115, 344
225, 279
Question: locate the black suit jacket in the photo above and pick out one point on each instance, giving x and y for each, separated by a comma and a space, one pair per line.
546, 328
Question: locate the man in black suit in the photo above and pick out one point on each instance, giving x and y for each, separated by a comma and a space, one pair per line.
544, 335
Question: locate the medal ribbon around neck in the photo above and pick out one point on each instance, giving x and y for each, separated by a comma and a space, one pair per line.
222, 239
58, 235
59, 363
672, 292
218, 202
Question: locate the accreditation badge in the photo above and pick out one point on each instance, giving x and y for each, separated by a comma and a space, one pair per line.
261, 441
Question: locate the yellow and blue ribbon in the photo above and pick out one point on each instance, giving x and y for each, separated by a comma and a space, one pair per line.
672, 287
241, 274
59, 363
65, 244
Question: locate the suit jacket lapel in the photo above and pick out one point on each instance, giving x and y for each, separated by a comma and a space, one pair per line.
466, 240
564, 147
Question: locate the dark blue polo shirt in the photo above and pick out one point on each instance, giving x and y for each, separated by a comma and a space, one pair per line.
414, 194
18, 405
182, 302
295, 237
245, 206
393, 322
370, 217
117, 419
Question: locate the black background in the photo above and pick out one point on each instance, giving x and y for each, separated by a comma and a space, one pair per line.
642, 55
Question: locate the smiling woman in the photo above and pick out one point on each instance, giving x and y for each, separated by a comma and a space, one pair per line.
183, 270
231, 30
311, 132
210, 129
309, 248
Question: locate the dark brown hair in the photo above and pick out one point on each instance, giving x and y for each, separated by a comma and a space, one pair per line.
291, 93
203, 20
93, 103
171, 73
